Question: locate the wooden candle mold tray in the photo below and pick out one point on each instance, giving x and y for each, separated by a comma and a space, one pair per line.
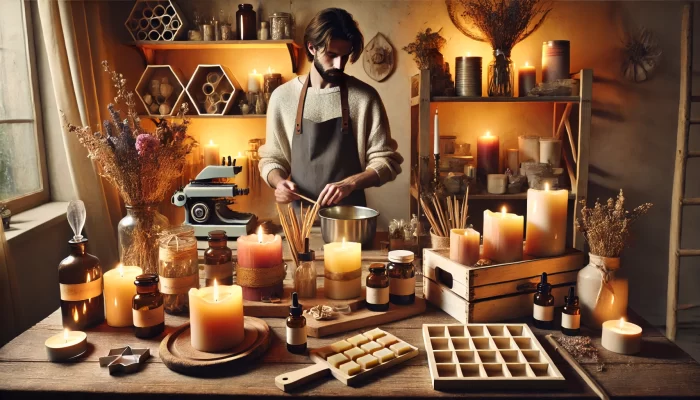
487, 356
292, 380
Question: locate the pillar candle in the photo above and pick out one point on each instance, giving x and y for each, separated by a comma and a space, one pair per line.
497, 183
343, 270
464, 246
211, 154
545, 235
621, 336
503, 236
512, 161
550, 151
241, 179
487, 156
271, 80
468, 76
527, 79
528, 148
119, 291
556, 60
259, 250
216, 317
254, 81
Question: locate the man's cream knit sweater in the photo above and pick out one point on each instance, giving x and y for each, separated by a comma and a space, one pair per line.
368, 121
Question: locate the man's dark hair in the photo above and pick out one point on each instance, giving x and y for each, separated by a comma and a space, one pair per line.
333, 23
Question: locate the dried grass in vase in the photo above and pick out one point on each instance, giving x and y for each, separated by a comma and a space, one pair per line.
606, 226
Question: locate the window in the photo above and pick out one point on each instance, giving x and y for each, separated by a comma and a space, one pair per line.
23, 178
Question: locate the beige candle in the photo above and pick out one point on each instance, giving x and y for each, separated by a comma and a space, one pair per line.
550, 151
621, 336
119, 291
529, 148
343, 270
545, 235
464, 246
503, 236
66, 345
497, 183
216, 317
241, 179
513, 161
211, 154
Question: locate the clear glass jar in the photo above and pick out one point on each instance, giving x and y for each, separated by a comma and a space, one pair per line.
402, 277
178, 267
280, 26
501, 75
138, 237
147, 307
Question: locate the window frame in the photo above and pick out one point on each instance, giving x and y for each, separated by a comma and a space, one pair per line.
41, 196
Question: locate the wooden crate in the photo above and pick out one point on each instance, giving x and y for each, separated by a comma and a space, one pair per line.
496, 292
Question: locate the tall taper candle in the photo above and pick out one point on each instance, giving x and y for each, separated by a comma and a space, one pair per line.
436, 137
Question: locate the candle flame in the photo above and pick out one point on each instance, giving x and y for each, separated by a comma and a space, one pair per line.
76, 316
469, 54
121, 270
503, 211
216, 291
65, 335
622, 322
88, 277
239, 154
488, 133
115, 301
546, 186
527, 64
211, 142
260, 235
269, 70
255, 71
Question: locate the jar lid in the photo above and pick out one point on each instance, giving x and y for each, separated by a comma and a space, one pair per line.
280, 15
217, 235
401, 256
377, 267
146, 280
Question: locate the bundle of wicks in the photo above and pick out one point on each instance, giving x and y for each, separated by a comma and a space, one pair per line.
454, 216
296, 233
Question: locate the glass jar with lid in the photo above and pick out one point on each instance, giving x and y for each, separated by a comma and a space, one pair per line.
245, 22
377, 288
280, 26
147, 306
402, 277
178, 267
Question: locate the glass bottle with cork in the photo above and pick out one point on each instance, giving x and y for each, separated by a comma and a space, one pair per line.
305, 274
147, 307
377, 284
296, 327
218, 260
402, 277
543, 309
571, 315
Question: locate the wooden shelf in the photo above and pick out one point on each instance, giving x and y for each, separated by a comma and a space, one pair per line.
149, 47
194, 116
487, 196
531, 99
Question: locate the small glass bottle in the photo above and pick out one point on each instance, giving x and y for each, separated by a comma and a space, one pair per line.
402, 277
305, 274
264, 31
377, 288
245, 22
178, 268
218, 260
147, 307
296, 327
571, 315
543, 310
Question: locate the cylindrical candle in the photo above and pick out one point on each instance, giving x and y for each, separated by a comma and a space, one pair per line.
503, 236
254, 81
555, 60
464, 246
528, 148
545, 235
343, 270
497, 183
271, 81
527, 79
119, 291
621, 337
487, 156
216, 318
513, 161
550, 151
436, 134
241, 179
468, 76
260, 269
211, 154
66, 345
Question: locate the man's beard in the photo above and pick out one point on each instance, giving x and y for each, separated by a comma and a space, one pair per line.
334, 75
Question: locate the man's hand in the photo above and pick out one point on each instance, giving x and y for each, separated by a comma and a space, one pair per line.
285, 192
334, 192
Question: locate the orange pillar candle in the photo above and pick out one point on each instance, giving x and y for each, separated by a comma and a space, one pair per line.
527, 79
546, 222
211, 154
503, 236
216, 317
487, 156
464, 246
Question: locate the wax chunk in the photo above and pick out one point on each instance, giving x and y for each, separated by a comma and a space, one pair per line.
374, 334
358, 340
354, 353
337, 359
350, 368
384, 355
400, 348
368, 361
387, 340
371, 347
341, 346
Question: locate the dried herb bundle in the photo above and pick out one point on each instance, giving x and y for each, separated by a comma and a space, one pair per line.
425, 45
606, 227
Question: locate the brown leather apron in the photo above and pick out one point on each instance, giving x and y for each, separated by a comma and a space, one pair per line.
325, 152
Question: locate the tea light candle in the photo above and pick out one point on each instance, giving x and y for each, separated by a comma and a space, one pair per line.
621, 337
241, 179
527, 79
119, 291
503, 236
216, 317
545, 235
66, 345
464, 246
211, 154
487, 156
254, 81
497, 183
343, 270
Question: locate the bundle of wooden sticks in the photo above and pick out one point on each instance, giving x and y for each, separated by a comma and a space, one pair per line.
295, 232
454, 216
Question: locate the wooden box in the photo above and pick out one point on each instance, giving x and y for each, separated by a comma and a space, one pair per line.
496, 292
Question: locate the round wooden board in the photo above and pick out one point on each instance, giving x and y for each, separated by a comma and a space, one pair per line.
178, 354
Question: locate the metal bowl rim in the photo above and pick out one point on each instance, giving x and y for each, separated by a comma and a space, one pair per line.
322, 216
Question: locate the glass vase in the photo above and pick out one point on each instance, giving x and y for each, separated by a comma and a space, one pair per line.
602, 290
138, 237
501, 75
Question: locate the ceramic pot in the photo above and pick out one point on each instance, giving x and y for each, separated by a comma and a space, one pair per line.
602, 290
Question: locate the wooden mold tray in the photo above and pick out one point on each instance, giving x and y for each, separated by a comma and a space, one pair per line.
487, 356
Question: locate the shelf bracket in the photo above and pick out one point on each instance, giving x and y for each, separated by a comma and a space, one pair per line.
294, 53
148, 55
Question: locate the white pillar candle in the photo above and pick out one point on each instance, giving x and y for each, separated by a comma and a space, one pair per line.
216, 317
254, 81
545, 235
211, 154
242, 178
513, 161
503, 236
66, 345
343, 270
550, 151
621, 336
529, 148
436, 133
464, 246
119, 292
496, 183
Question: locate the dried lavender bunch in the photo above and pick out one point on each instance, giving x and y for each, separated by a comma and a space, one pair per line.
424, 46
606, 227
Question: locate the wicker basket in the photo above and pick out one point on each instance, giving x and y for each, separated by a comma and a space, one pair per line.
439, 242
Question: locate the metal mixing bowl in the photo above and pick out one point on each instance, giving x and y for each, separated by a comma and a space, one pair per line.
355, 224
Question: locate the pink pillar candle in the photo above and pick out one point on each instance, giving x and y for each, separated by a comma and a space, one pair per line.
464, 246
503, 236
263, 253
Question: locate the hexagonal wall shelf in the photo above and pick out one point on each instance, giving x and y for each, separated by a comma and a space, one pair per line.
161, 90
212, 89
155, 20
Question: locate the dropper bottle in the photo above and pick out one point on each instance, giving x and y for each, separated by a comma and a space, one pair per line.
543, 310
296, 327
571, 315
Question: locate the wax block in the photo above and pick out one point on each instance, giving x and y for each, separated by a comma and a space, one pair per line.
387, 340
354, 353
384, 355
374, 334
358, 340
368, 361
350, 368
337, 359
325, 352
341, 346
400, 348
371, 347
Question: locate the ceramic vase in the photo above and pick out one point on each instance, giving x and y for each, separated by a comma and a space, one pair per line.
602, 289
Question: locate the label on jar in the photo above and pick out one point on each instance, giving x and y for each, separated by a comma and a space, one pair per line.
218, 271
148, 318
377, 295
296, 335
570, 321
402, 286
180, 285
81, 291
543, 313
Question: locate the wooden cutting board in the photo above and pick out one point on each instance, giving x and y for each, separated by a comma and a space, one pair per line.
281, 309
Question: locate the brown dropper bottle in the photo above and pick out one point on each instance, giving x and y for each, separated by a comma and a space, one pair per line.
218, 263
296, 327
543, 310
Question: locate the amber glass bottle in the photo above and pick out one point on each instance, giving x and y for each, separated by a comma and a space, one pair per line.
218, 262
377, 288
296, 327
402, 277
543, 310
147, 306
80, 281
571, 315
245, 22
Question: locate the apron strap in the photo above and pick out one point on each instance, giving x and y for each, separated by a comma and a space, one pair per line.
300, 107
344, 107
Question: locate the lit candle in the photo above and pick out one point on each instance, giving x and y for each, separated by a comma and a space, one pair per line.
343, 270
66, 345
254, 81
119, 291
260, 269
241, 179
503, 236
487, 156
216, 317
271, 80
621, 336
545, 235
527, 79
211, 154
464, 246
436, 137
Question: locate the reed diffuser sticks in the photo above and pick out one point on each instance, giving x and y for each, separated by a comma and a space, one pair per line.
453, 216
296, 232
